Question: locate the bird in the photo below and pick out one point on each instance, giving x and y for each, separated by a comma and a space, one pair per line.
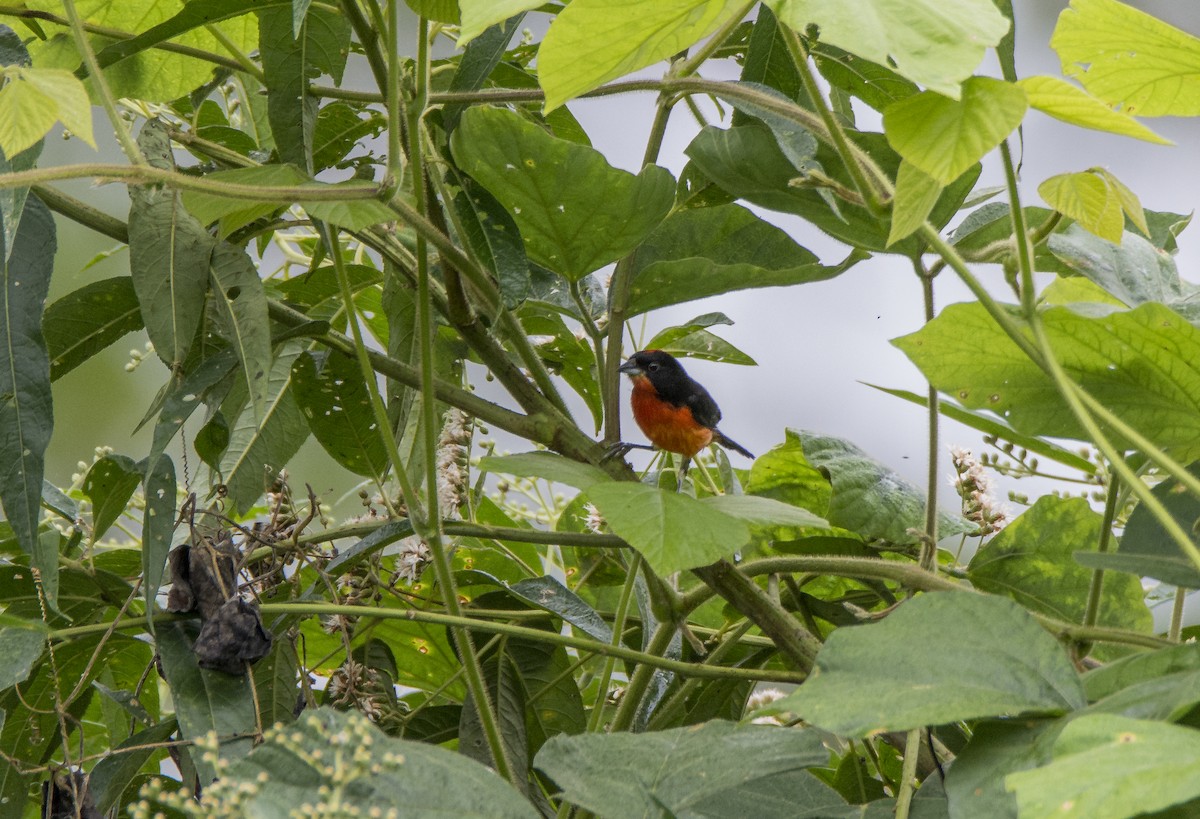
674, 411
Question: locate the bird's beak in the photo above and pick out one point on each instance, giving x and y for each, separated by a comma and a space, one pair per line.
630, 369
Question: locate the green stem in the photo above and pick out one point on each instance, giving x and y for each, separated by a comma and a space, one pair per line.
100, 86
1020, 233
673, 707
597, 717
908, 774
641, 678
1092, 612
1176, 628
929, 558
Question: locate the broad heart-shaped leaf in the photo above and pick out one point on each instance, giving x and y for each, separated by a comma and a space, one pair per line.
1088, 199
1032, 561
594, 41
168, 256
747, 162
1063, 101
333, 397
678, 772
26, 410
257, 451
288, 61
109, 484
241, 310
944, 137
1146, 549
868, 497
158, 526
291, 770
703, 252
1131, 60
204, 700
935, 43
546, 465
672, 531
1143, 364
940, 657
575, 212
88, 320
1111, 767
33, 100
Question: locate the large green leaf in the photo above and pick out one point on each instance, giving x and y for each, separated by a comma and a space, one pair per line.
26, 411
575, 212
257, 451
113, 774
593, 41
109, 484
975, 782
334, 398
288, 61
1112, 767
678, 772
479, 15
1110, 678
944, 137
1032, 560
1063, 101
709, 251
936, 43
671, 530
546, 465
88, 320
241, 310
1131, 60
168, 256
1143, 364
940, 657
34, 100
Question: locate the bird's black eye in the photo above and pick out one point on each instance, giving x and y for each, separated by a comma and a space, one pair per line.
652, 367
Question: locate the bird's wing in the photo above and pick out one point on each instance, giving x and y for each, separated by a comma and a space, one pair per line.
704, 408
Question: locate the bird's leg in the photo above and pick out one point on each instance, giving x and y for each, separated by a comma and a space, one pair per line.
683, 470
620, 449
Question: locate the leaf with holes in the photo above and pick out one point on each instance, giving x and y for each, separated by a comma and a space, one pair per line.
334, 398
241, 310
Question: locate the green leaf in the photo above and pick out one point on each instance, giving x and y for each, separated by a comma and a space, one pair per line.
992, 659
205, 700
257, 451
575, 212
1086, 198
88, 320
1142, 364
678, 772
594, 41
1134, 271
975, 782
868, 497
109, 484
114, 773
26, 409
1112, 767
767, 60
944, 137
241, 310
690, 341
546, 465
1112, 677
33, 100
485, 49
339, 128
1131, 60
508, 698
935, 43
565, 354
12, 200
333, 397
183, 399
168, 256
191, 16
1032, 561
493, 236
549, 594
20, 647
763, 511
288, 61
1063, 101
479, 15
916, 194
704, 252
992, 223
158, 527
672, 531
874, 84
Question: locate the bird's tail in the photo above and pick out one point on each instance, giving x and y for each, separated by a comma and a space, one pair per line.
727, 442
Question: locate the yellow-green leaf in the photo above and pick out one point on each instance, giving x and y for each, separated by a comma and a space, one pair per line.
1129, 59
945, 137
916, 194
480, 15
1128, 199
1063, 101
594, 41
1087, 199
70, 98
26, 114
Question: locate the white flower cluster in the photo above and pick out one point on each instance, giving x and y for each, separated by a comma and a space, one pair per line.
452, 452
974, 486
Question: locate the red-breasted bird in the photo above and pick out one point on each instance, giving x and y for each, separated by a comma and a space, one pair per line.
674, 412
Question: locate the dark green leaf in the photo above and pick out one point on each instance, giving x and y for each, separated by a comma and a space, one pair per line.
183, 398
904, 673
565, 354
109, 485
1032, 561
481, 56
12, 200
384, 535
575, 212
549, 594
553, 702
339, 127
168, 256
493, 237
768, 61
113, 774
1146, 548
709, 251
26, 414
1112, 677
975, 782
20, 647
190, 16
158, 527
546, 465
678, 772
84, 322
241, 310
334, 398
870, 82
508, 701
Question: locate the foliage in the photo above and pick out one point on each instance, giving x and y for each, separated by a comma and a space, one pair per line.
331, 239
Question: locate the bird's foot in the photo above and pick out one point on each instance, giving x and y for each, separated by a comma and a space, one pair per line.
620, 449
